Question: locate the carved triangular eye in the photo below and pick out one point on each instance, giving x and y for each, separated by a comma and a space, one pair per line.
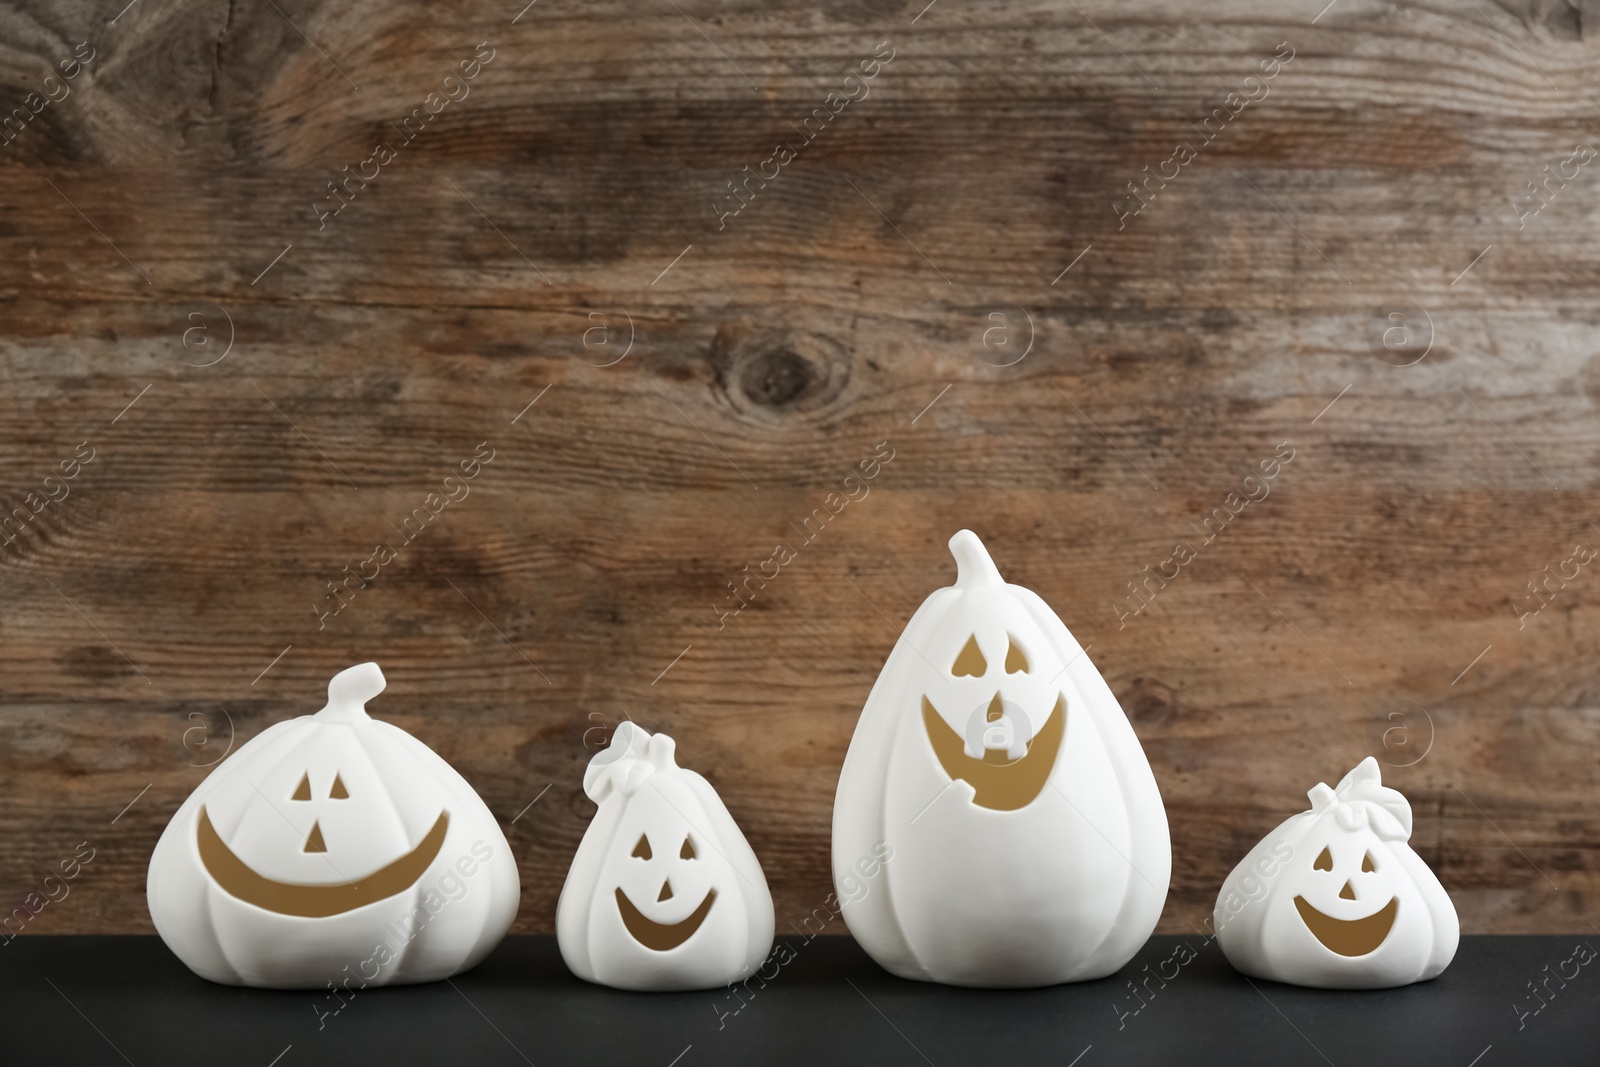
1016, 662
1366, 863
1324, 861
338, 792
687, 851
970, 662
642, 849
303, 790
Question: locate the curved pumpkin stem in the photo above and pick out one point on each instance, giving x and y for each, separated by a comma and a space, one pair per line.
973, 565
349, 691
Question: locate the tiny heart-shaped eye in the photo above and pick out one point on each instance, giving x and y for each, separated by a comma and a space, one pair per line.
970, 661
642, 849
1324, 861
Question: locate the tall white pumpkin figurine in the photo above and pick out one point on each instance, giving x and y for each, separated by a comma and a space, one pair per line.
333, 849
1335, 897
664, 892
1026, 839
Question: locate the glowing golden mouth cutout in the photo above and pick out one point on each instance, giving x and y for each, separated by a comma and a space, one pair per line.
998, 782
662, 936
1349, 937
236, 878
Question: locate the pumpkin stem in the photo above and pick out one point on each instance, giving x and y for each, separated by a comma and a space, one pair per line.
973, 565
1321, 796
628, 739
349, 691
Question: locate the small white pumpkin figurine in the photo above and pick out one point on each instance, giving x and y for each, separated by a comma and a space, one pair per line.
333, 849
1335, 897
664, 892
1027, 839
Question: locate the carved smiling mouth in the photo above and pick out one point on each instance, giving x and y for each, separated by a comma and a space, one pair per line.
1349, 937
662, 936
236, 878
998, 783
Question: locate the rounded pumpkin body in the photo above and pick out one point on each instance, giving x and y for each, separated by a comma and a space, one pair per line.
664, 892
332, 849
1335, 897
1026, 837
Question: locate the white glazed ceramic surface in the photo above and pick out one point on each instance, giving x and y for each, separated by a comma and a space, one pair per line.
333, 848
664, 892
1335, 897
1026, 840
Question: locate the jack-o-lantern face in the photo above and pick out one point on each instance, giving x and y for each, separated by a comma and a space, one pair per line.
314, 901
1007, 751
662, 936
1348, 936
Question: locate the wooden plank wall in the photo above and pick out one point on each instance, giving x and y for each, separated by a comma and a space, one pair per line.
951, 263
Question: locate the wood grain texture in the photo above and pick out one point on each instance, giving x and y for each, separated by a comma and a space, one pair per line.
572, 202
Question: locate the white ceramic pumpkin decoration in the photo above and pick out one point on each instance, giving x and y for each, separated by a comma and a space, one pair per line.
664, 892
333, 849
1335, 897
1028, 841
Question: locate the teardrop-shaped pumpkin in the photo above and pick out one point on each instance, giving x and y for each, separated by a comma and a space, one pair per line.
993, 765
664, 892
333, 848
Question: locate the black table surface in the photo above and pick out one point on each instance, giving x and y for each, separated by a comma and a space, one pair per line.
90, 1000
